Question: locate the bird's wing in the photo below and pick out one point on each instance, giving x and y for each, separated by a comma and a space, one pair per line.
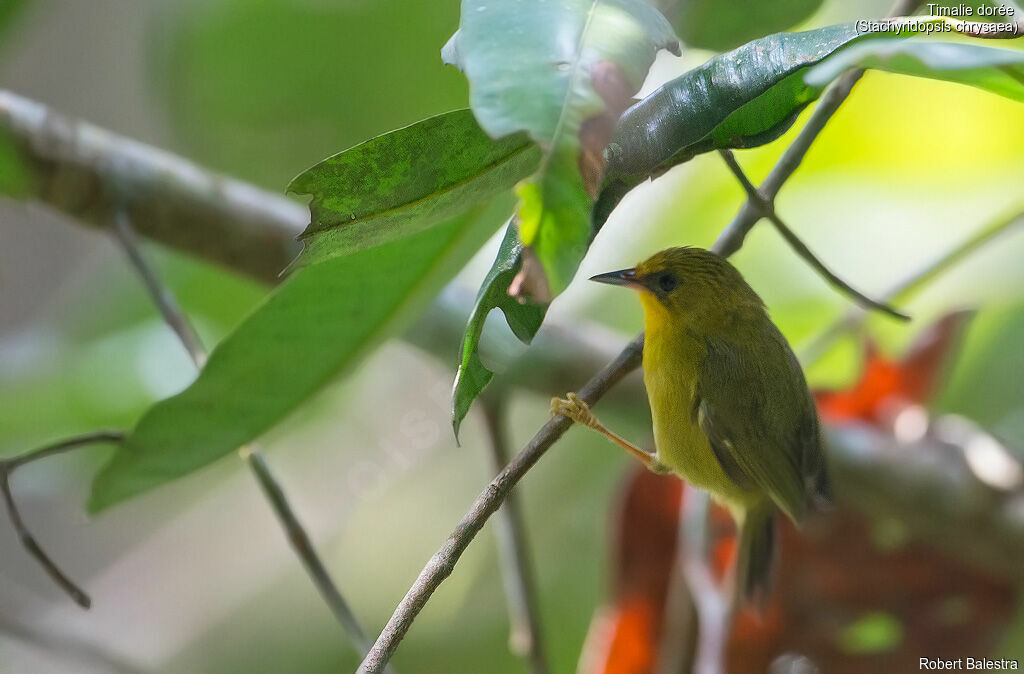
759, 419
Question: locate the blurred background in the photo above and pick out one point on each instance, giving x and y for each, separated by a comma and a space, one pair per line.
197, 576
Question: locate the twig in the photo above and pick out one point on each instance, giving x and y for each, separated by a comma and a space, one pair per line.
765, 209
161, 295
8, 466
300, 541
904, 289
443, 562
525, 634
296, 533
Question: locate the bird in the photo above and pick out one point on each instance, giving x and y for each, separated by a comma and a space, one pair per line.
730, 406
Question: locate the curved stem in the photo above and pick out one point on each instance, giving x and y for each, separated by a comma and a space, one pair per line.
28, 541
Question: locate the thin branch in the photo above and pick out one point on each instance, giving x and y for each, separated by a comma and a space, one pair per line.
525, 633
443, 562
161, 295
8, 466
905, 289
765, 209
303, 547
296, 533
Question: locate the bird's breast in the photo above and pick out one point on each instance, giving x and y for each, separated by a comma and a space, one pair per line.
671, 368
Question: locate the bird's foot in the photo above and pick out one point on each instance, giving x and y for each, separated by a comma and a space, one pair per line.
571, 406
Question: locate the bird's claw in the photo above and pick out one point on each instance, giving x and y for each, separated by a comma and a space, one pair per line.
572, 407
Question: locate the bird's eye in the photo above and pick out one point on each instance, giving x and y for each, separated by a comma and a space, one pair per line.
667, 282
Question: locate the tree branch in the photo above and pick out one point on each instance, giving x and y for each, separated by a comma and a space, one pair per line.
525, 634
8, 466
443, 562
172, 313
765, 209
89, 173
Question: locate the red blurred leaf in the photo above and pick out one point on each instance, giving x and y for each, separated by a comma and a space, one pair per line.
911, 379
833, 577
834, 574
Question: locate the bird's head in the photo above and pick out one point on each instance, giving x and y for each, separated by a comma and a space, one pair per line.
688, 283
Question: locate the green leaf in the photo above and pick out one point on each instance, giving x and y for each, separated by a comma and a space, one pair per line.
718, 26
562, 72
752, 95
318, 323
523, 318
738, 99
406, 181
1000, 71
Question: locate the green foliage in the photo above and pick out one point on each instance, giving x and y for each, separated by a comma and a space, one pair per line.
264, 88
316, 324
549, 68
523, 318
750, 96
406, 181
742, 98
716, 25
1000, 71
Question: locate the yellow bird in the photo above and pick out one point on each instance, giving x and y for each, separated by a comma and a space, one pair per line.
730, 406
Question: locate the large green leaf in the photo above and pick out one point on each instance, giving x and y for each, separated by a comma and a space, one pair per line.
1000, 71
743, 97
562, 72
317, 323
717, 25
751, 95
406, 181
524, 318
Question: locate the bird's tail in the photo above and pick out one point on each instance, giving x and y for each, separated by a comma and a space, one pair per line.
756, 554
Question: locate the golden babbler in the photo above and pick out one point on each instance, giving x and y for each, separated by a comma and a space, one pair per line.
731, 409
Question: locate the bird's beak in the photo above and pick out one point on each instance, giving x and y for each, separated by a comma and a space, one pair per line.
623, 277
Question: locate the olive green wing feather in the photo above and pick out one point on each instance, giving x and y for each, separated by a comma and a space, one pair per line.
759, 418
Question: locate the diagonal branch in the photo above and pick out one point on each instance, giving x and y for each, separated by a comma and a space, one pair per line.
8, 466
173, 315
767, 210
443, 562
525, 635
